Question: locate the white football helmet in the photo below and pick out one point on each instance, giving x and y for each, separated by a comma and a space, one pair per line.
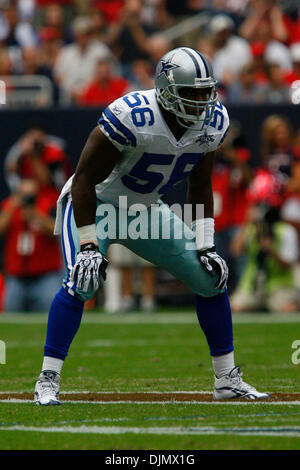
186, 68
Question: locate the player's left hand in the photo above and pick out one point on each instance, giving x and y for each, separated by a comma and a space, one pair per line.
90, 265
214, 264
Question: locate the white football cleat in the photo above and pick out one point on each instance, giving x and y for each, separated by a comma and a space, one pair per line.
232, 386
47, 388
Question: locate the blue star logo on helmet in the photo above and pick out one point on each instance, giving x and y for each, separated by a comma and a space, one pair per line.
166, 66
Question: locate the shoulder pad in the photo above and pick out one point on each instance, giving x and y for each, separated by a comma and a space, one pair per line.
116, 123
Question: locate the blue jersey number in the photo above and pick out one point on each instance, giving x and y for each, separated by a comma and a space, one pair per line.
144, 181
140, 116
218, 114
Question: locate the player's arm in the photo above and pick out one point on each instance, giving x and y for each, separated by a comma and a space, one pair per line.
98, 158
200, 192
200, 185
97, 161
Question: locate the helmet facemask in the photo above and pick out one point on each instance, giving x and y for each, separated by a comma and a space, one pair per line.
190, 111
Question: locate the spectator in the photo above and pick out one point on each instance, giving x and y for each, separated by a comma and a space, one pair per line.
274, 50
54, 13
205, 46
6, 67
32, 261
158, 46
32, 65
39, 156
111, 9
142, 74
237, 8
26, 9
76, 63
99, 26
277, 151
245, 90
291, 19
128, 37
280, 153
55, 19
104, 88
271, 247
276, 91
294, 74
231, 52
50, 44
265, 12
259, 63
15, 32
154, 14
231, 177
128, 262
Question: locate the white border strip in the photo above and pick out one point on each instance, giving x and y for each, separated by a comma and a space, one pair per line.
144, 392
165, 402
272, 431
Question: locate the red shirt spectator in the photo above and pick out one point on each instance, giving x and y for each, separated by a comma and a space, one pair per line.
97, 95
53, 157
293, 28
105, 88
111, 9
30, 249
39, 156
230, 189
221, 192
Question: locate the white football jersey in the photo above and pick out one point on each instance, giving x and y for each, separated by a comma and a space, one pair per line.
153, 161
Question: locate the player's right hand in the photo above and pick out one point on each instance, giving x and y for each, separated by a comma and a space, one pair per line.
214, 264
90, 265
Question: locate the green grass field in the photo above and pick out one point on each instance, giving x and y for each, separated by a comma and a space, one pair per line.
162, 352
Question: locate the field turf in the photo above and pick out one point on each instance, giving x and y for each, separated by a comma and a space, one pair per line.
118, 364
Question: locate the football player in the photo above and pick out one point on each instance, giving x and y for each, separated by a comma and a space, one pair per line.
145, 143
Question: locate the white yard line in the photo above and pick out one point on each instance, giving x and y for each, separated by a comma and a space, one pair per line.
165, 402
70, 392
255, 431
156, 318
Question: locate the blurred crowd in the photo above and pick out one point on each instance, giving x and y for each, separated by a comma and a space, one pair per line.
87, 53
257, 216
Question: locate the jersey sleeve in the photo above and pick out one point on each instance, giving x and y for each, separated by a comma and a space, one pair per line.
220, 125
115, 122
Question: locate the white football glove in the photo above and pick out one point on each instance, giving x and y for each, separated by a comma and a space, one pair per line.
90, 265
214, 264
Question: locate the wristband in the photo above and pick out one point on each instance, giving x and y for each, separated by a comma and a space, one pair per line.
87, 234
89, 246
204, 230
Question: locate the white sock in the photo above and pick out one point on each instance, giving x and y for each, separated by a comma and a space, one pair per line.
223, 364
52, 363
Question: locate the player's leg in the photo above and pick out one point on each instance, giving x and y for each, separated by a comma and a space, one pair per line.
179, 257
64, 315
